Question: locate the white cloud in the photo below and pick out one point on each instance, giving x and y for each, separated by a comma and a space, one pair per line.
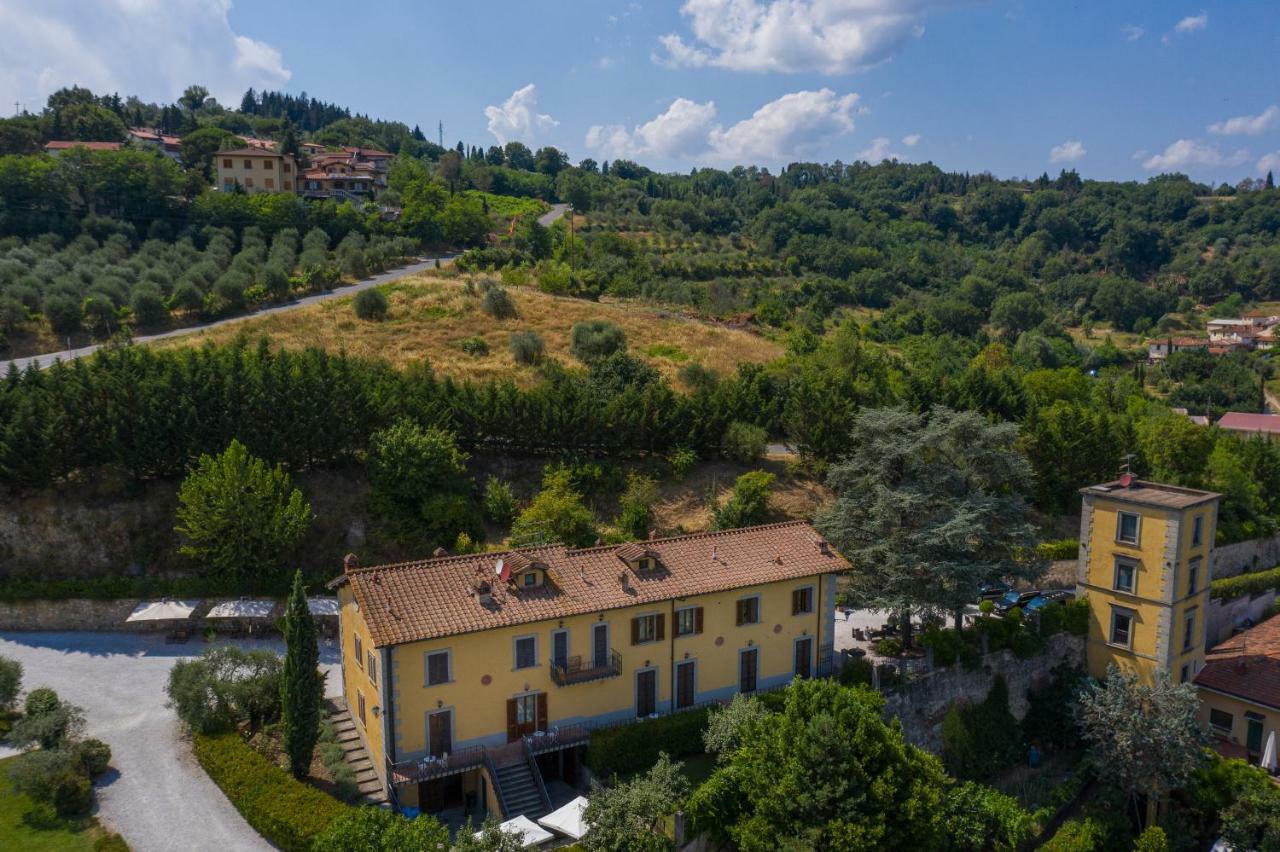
1247, 125
831, 36
1067, 152
1191, 23
151, 49
911, 139
1132, 33
604, 63
1187, 154
518, 117
878, 151
791, 126
1269, 162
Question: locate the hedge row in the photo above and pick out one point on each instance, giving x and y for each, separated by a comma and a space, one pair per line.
1246, 584
628, 749
285, 811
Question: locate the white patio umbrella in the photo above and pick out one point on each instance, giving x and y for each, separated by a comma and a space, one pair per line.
163, 610
323, 606
243, 608
528, 830
568, 819
1269, 754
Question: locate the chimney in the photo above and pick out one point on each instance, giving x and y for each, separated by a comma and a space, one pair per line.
439, 552
715, 550
653, 534
350, 562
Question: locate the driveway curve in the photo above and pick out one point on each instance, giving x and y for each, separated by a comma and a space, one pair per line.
41, 362
157, 796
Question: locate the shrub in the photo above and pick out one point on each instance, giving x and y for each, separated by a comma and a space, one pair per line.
527, 347
1065, 548
1152, 839
497, 303
93, 756
285, 811
947, 645
48, 721
855, 672
380, 830
628, 749
475, 346
744, 442
371, 304
35, 772
1076, 835
10, 682
1070, 617
110, 843
682, 461
1246, 584
71, 794
148, 307
636, 505
890, 646
224, 687
749, 503
592, 340
499, 501
1050, 718
980, 740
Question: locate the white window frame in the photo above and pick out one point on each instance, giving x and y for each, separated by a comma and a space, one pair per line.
1189, 630
1111, 627
1137, 528
359, 643
1197, 531
1193, 576
1218, 729
515, 652
448, 666
1115, 579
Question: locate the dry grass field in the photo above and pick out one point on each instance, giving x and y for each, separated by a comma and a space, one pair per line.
431, 316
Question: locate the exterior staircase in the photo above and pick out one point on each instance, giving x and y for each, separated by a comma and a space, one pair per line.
520, 791
355, 754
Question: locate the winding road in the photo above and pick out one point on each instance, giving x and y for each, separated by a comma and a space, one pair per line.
46, 360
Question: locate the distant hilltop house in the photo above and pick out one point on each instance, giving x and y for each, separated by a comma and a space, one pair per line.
162, 142
256, 170
1228, 335
349, 173
56, 147
1158, 350
1265, 425
353, 173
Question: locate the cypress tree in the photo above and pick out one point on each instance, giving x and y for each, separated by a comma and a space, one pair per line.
301, 684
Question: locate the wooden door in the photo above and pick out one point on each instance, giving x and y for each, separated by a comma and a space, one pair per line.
524, 713
560, 649
440, 732
747, 670
600, 646
646, 693
804, 656
684, 685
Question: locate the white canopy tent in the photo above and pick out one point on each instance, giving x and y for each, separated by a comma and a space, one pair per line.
163, 610
568, 819
243, 608
528, 830
323, 606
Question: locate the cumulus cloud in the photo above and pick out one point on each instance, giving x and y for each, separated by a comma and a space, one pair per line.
1188, 154
791, 126
1269, 162
1067, 152
911, 139
152, 49
1192, 23
878, 151
1247, 125
518, 117
830, 36
1132, 33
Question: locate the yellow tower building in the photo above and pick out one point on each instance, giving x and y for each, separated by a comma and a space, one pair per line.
1145, 556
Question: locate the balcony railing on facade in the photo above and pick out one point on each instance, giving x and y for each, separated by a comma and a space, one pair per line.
430, 768
577, 670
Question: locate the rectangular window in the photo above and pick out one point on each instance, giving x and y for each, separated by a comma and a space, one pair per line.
373, 667
270, 183
1193, 576
560, 648
802, 601
248, 183
689, 621
646, 628
1186, 673
359, 651
228, 181
749, 611
248, 164
1127, 528
360, 707
288, 184
286, 168
268, 164
1126, 575
526, 652
226, 164
1189, 631
1122, 627
530, 579
1197, 531
438, 668
1221, 722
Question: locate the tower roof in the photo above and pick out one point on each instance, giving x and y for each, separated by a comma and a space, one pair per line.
1144, 493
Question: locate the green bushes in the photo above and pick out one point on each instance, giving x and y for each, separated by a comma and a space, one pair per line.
594, 340
890, 646
10, 682
93, 756
61, 778
285, 811
749, 502
371, 304
1070, 617
474, 346
224, 687
628, 749
1064, 548
1077, 835
1246, 584
497, 303
1050, 719
982, 739
855, 672
744, 442
499, 501
527, 347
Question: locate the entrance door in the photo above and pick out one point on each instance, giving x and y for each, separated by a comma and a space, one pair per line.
684, 685
646, 693
804, 657
600, 646
526, 714
1253, 738
747, 670
440, 732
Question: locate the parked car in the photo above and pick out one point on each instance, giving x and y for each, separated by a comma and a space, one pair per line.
992, 591
1043, 599
1015, 598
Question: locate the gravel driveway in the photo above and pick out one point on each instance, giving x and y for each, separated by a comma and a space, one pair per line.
160, 799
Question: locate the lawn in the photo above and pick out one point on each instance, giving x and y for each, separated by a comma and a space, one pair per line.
430, 317
18, 834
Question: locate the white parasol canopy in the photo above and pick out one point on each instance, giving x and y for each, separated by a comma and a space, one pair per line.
243, 608
163, 610
526, 829
323, 606
1269, 754
567, 820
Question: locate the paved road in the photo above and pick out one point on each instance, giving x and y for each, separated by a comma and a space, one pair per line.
160, 799
46, 360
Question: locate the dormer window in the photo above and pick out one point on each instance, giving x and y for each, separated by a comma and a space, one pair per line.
530, 579
639, 558
646, 564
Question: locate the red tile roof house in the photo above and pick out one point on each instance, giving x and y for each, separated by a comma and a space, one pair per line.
57, 147
1266, 425
1240, 691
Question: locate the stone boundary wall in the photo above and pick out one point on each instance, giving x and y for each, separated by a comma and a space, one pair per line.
1256, 554
74, 614
1225, 615
922, 704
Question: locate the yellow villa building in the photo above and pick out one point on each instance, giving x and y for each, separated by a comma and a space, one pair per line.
473, 678
1145, 556
256, 170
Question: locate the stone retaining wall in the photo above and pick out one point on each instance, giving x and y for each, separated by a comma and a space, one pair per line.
74, 614
1256, 554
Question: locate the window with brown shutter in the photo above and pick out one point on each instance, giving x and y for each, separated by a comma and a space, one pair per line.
542, 712
688, 621
802, 601
437, 668
697, 620
513, 723
748, 611
661, 629
359, 652
647, 628
373, 668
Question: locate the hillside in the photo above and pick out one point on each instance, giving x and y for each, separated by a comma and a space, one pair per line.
432, 314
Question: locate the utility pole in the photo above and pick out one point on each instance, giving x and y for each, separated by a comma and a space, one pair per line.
442, 133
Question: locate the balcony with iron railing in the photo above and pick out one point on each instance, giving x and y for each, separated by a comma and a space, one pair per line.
577, 670
430, 768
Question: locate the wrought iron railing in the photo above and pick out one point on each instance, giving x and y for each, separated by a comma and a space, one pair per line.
558, 737
428, 768
577, 670
537, 774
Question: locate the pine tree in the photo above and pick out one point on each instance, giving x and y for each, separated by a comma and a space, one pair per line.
301, 683
1271, 181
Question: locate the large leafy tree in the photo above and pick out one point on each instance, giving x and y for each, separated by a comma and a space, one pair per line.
301, 682
626, 817
420, 484
556, 514
929, 507
370, 829
238, 517
1145, 733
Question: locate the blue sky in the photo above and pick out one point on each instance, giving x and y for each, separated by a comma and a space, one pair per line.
1116, 89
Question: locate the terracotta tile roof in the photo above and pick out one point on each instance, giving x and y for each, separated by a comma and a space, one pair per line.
63, 145
248, 152
1150, 494
438, 597
1246, 666
367, 152
1243, 422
